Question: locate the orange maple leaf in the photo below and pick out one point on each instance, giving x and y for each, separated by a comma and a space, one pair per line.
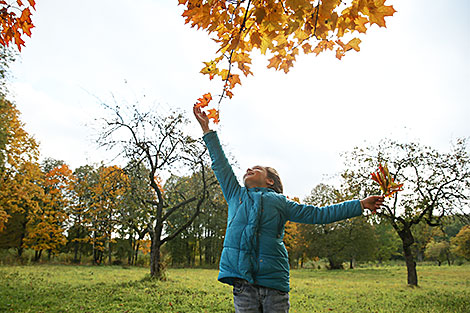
229, 93
204, 101
377, 10
213, 114
360, 24
234, 79
354, 44
339, 53
209, 68
275, 61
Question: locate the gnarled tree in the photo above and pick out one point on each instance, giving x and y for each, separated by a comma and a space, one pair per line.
436, 184
158, 141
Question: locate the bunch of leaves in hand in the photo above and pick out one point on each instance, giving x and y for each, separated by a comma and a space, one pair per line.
386, 182
203, 102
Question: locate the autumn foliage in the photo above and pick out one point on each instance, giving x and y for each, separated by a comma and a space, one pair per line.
19, 170
280, 29
386, 182
46, 223
15, 19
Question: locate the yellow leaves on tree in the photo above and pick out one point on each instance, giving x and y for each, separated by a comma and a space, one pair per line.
377, 12
19, 170
461, 242
46, 224
145, 246
15, 19
279, 28
112, 183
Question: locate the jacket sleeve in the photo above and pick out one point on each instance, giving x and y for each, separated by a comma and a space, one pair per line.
309, 214
222, 168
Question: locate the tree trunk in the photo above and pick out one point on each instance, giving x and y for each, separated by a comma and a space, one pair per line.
200, 250
130, 254
136, 252
109, 251
335, 264
101, 254
407, 239
75, 252
20, 248
37, 255
95, 252
155, 266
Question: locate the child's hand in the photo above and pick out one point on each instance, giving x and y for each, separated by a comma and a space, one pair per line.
372, 203
202, 118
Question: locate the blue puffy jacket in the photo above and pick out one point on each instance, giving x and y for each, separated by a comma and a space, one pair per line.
253, 247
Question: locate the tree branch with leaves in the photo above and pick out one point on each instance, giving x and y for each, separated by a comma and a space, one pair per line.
279, 29
15, 21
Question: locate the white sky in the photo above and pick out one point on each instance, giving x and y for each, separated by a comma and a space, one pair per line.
409, 81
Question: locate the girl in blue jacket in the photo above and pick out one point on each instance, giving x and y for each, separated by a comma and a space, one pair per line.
254, 259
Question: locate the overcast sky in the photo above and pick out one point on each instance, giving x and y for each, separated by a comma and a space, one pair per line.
410, 81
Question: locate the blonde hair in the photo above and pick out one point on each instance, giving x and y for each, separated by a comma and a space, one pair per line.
274, 175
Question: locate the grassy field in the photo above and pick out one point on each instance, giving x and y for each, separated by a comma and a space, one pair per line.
55, 288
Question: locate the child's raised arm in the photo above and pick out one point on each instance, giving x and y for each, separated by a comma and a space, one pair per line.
222, 168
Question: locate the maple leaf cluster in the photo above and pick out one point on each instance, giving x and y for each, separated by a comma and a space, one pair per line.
204, 102
386, 181
13, 26
279, 28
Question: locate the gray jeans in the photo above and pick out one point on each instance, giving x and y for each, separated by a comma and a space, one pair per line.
249, 298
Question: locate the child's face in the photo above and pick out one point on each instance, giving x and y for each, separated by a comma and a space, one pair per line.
257, 176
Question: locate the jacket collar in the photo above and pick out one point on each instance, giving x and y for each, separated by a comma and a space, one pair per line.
262, 189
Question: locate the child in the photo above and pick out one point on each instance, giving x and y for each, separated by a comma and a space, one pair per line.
254, 259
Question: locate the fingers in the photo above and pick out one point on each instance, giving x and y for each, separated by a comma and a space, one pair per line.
373, 202
379, 200
198, 112
202, 118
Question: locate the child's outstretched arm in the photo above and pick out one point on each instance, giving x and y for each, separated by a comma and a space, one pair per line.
303, 213
202, 118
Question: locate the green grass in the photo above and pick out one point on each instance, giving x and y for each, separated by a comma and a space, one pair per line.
55, 288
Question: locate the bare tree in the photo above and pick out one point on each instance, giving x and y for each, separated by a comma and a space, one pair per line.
435, 185
157, 140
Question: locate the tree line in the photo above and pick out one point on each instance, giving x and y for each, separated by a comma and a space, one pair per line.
101, 212
96, 213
